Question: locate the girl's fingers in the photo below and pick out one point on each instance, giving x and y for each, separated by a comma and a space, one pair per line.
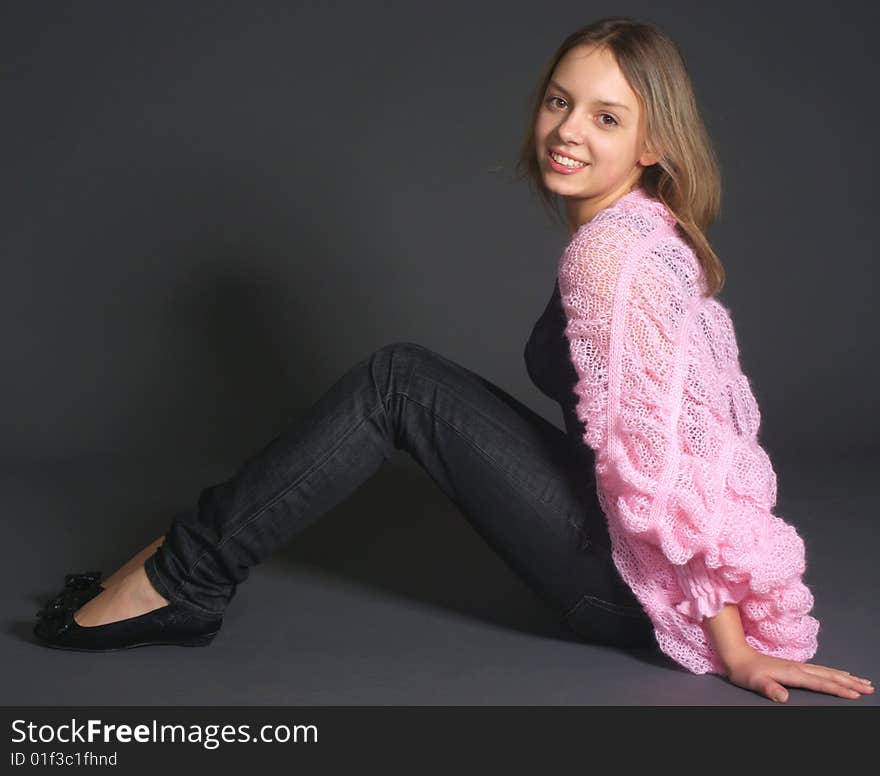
844, 677
833, 670
815, 681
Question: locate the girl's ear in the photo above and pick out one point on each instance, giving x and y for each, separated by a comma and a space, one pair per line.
649, 157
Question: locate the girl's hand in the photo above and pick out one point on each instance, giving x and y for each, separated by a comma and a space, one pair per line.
756, 671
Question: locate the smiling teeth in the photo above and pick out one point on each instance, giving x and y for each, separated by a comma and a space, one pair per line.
566, 161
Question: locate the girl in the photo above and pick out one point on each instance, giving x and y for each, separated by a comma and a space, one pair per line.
648, 521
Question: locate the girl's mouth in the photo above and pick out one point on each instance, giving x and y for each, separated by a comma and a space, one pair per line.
564, 169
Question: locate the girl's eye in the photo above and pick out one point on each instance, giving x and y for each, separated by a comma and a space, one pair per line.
551, 101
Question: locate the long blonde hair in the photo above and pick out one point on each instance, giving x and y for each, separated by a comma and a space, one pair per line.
687, 177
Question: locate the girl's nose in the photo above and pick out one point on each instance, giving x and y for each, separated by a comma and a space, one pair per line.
570, 131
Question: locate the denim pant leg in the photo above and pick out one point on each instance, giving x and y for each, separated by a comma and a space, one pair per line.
518, 479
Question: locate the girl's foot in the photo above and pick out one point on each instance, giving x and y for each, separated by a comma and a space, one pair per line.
130, 596
137, 561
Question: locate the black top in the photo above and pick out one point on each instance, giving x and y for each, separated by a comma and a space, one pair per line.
549, 365
548, 362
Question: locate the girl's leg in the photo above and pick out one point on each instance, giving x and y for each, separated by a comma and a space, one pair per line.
526, 488
134, 563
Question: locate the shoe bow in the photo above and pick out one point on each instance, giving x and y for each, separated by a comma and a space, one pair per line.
73, 584
55, 623
81, 581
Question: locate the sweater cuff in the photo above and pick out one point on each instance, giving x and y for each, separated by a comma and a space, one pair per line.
705, 591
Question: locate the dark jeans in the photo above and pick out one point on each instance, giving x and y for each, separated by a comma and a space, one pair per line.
526, 486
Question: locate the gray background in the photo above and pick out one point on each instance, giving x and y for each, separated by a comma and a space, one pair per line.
211, 210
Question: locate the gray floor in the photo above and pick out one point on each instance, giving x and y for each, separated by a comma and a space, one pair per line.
391, 598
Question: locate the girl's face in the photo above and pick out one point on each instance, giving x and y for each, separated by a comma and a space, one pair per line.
576, 121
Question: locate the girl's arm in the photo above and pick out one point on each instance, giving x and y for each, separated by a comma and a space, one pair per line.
748, 668
726, 631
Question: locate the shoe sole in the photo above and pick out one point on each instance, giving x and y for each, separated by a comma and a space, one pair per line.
197, 641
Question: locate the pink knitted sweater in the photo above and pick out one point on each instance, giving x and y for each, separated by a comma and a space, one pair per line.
684, 484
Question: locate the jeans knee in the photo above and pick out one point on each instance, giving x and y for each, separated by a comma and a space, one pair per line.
400, 358
392, 365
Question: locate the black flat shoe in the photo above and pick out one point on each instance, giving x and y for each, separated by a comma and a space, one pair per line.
171, 624
78, 590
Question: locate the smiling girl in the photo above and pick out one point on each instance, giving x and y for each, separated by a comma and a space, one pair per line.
647, 522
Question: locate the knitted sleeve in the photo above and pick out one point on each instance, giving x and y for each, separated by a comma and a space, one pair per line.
685, 486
